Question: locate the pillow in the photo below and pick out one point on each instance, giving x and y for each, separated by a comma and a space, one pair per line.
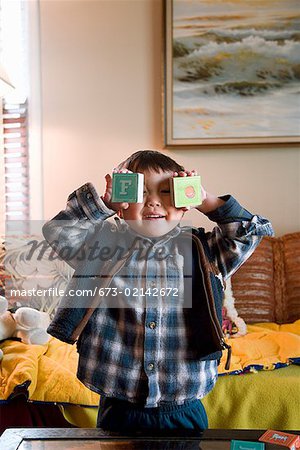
288, 305
267, 287
26, 270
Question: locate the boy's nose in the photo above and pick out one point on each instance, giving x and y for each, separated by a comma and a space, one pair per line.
153, 202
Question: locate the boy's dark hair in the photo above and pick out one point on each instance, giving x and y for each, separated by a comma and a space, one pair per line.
150, 160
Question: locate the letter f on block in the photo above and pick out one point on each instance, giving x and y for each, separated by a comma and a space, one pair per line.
124, 186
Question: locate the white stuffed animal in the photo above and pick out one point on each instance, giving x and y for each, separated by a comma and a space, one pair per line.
233, 325
26, 323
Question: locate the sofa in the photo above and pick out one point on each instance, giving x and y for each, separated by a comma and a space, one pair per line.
38, 384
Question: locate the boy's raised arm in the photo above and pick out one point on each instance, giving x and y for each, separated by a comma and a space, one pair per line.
237, 235
68, 232
209, 202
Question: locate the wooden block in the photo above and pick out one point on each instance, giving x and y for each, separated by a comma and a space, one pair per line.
186, 191
292, 441
246, 445
127, 187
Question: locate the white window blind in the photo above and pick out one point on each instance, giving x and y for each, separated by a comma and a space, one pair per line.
14, 181
16, 161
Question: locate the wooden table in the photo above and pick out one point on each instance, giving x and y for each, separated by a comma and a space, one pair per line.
93, 439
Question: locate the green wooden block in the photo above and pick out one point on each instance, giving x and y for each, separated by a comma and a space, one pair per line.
246, 445
127, 187
186, 191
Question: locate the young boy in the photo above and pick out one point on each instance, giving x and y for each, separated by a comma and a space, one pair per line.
150, 355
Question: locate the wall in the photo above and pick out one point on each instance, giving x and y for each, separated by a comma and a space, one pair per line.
101, 100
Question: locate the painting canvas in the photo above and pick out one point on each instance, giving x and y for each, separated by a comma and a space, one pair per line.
232, 71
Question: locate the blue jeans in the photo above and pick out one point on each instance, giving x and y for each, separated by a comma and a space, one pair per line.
125, 418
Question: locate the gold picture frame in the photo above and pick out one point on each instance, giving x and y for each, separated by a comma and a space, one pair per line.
231, 73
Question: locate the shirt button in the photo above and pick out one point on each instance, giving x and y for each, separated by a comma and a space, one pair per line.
151, 366
152, 284
89, 195
152, 325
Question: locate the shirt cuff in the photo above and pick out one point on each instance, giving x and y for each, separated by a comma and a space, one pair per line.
230, 211
93, 205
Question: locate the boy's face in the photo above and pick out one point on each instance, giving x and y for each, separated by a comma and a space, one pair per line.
156, 216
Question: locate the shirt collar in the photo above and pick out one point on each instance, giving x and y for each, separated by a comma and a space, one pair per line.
152, 240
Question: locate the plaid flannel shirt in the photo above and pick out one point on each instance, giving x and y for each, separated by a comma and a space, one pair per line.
137, 353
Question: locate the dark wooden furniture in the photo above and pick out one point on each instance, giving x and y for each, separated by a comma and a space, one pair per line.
93, 439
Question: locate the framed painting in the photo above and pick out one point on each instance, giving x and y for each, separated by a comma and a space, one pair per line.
231, 72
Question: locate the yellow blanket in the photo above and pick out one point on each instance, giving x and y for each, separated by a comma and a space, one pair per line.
51, 368
266, 346
263, 400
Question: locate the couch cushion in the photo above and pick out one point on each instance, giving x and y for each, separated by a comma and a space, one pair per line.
253, 285
290, 249
267, 287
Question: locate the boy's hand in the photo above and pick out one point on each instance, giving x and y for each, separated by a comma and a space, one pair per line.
108, 192
190, 173
209, 201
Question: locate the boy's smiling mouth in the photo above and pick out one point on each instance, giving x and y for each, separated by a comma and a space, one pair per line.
152, 216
